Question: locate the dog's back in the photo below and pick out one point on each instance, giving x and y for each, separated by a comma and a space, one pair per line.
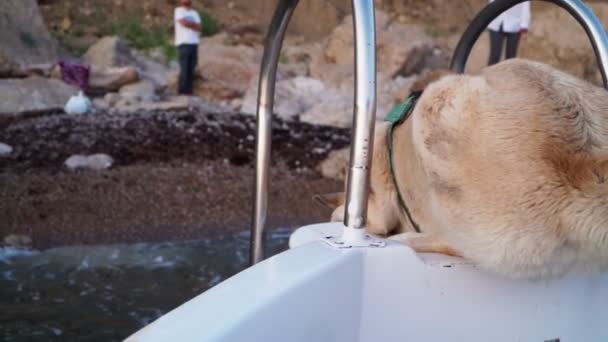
517, 166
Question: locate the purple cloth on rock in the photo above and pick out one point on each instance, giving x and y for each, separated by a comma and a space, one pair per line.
75, 73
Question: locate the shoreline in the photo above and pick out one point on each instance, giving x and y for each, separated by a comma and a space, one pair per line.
177, 176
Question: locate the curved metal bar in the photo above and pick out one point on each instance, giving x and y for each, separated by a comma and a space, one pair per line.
355, 215
583, 14
270, 60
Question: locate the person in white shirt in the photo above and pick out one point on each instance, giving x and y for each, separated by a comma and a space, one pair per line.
510, 25
187, 38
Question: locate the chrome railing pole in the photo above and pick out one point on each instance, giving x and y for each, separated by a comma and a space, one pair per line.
581, 12
270, 60
357, 189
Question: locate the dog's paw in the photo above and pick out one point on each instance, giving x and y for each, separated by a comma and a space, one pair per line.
404, 238
426, 243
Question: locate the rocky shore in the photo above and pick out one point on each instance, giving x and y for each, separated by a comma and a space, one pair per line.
176, 175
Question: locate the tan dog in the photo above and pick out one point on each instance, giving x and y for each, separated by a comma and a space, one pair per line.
508, 169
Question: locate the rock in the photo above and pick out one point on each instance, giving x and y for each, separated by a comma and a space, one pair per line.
159, 76
18, 241
109, 79
111, 98
93, 162
33, 94
109, 52
335, 166
335, 107
66, 24
115, 52
5, 150
402, 49
158, 55
314, 19
173, 78
203, 105
292, 96
295, 59
126, 105
100, 104
321, 104
41, 70
557, 39
153, 71
392, 92
23, 34
143, 91
336, 110
175, 103
232, 67
9, 68
106, 79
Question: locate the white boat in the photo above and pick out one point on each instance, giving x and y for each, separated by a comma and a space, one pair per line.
336, 283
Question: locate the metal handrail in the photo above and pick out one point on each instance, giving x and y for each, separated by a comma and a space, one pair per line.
357, 188
363, 122
266, 85
581, 12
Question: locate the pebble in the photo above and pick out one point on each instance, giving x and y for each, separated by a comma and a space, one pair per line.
5, 150
15, 240
93, 162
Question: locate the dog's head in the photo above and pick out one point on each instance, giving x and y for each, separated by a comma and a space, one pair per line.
384, 212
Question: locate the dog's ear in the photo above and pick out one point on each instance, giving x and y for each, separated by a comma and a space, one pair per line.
332, 200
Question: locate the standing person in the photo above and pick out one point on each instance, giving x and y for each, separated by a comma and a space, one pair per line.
510, 25
187, 38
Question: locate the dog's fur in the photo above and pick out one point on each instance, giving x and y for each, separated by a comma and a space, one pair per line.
508, 169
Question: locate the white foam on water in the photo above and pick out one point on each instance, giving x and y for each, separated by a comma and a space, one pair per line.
84, 264
8, 253
9, 275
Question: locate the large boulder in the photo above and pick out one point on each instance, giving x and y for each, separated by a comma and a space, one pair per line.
335, 110
140, 91
336, 107
316, 102
402, 50
33, 94
151, 70
314, 19
557, 39
23, 34
231, 67
292, 97
109, 52
113, 52
554, 38
108, 79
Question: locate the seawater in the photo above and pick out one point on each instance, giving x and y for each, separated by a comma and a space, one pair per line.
106, 293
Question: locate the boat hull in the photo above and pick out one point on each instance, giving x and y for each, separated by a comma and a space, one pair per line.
316, 292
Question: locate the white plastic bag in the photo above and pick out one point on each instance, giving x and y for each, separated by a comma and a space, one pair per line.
78, 104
